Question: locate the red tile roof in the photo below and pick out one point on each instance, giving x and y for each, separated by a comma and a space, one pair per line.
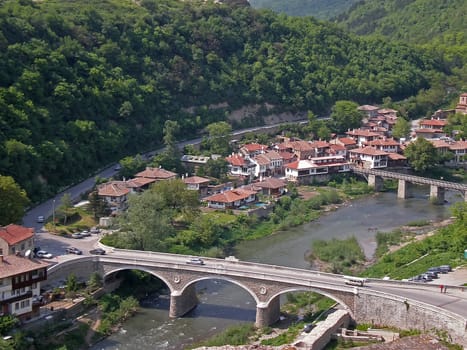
320, 144
396, 156
347, 141
287, 155
13, 234
457, 145
14, 265
195, 180
113, 189
262, 159
361, 132
432, 122
253, 147
236, 160
370, 151
156, 173
383, 142
271, 182
230, 196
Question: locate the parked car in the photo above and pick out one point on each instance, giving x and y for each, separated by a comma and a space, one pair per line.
40, 219
436, 269
85, 233
195, 261
73, 250
43, 254
95, 230
427, 278
97, 251
432, 274
445, 268
77, 235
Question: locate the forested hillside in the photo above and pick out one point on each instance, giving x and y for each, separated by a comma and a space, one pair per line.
440, 25
323, 9
85, 82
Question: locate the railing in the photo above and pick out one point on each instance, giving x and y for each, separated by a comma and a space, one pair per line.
411, 178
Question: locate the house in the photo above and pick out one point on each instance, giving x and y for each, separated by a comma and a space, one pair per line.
436, 124
240, 166
157, 173
320, 148
388, 113
232, 199
362, 136
396, 160
272, 187
20, 279
462, 105
368, 110
428, 133
348, 142
337, 150
369, 157
139, 184
115, 194
302, 149
459, 148
252, 149
315, 169
388, 145
16, 239
197, 183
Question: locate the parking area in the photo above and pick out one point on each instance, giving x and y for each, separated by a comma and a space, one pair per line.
456, 277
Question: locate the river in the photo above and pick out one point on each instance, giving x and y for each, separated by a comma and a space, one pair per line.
223, 304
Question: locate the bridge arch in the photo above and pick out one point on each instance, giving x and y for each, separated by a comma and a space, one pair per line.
142, 268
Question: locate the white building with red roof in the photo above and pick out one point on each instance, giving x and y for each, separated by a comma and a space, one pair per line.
16, 239
20, 279
369, 157
232, 199
459, 149
315, 169
362, 136
197, 183
240, 166
252, 149
385, 144
432, 124
115, 194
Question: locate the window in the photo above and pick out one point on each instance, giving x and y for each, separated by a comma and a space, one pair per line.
22, 246
16, 306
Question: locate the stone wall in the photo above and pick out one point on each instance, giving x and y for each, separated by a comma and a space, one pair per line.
388, 310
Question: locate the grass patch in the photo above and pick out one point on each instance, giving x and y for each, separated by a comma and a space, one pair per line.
236, 335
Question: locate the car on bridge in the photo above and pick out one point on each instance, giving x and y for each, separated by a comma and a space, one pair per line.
195, 261
97, 251
73, 250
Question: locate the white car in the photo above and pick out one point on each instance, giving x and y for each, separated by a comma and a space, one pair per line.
42, 254
40, 219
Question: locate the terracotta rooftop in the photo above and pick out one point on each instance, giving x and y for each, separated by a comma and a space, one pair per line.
195, 180
156, 173
361, 132
253, 147
370, 151
230, 196
271, 182
113, 189
458, 145
383, 142
13, 234
347, 141
236, 160
262, 159
13, 265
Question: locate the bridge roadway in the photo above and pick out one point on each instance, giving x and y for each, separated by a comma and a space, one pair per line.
455, 300
412, 178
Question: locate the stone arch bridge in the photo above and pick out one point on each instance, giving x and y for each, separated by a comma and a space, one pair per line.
393, 303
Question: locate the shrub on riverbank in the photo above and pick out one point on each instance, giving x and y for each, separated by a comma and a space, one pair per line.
340, 255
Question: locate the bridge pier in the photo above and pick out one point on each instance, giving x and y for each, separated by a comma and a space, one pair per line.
376, 182
403, 189
437, 194
182, 303
267, 315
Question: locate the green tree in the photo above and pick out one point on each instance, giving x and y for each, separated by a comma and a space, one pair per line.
65, 208
422, 155
13, 201
97, 205
130, 166
401, 128
219, 137
216, 168
345, 115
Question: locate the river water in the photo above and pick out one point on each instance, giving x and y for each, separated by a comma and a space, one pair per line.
223, 304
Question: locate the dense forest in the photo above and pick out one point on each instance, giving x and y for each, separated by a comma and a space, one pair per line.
83, 83
322, 9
